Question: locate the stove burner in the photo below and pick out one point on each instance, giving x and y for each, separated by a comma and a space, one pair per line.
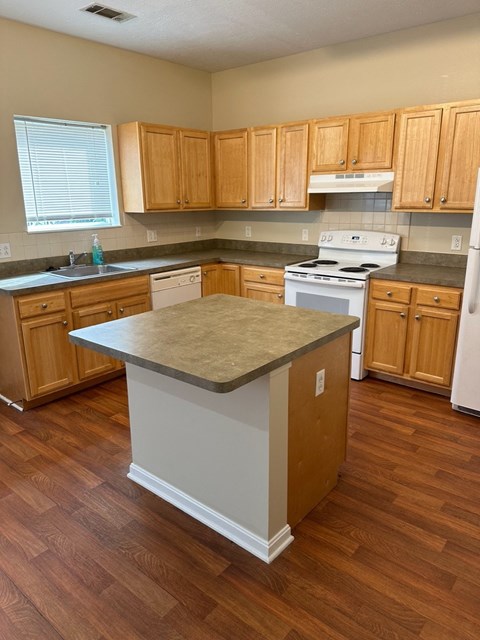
354, 269
370, 265
308, 265
325, 262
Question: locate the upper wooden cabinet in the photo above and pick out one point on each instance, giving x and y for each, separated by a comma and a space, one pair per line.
355, 143
438, 158
231, 169
278, 163
164, 168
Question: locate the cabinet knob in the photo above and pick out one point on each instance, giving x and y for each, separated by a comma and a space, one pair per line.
427, 199
65, 323
417, 317
280, 295
187, 201
109, 312
262, 276
280, 199
436, 299
44, 305
243, 201
341, 162
205, 274
122, 310
179, 201
270, 200
389, 293
354, 161
443, 199
402, 314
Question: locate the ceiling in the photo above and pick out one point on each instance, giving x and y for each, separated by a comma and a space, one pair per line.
214, 35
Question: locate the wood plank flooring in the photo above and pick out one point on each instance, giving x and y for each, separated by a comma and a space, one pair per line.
393, 552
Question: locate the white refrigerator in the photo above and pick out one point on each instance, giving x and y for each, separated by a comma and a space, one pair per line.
466, 375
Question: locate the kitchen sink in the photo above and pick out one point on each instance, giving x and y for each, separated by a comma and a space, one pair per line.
83, 271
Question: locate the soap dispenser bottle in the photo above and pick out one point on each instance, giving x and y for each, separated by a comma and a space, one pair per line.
97, 251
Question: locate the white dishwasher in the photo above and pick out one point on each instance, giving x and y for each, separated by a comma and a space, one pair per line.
172, 287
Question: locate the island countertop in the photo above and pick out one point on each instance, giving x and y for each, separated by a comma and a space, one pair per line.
219, 342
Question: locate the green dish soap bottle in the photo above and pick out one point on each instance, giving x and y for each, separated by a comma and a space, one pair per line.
97, 251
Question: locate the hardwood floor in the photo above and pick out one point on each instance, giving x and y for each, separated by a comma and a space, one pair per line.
393, 552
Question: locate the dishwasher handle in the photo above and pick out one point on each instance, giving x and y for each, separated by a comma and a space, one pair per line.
175, 278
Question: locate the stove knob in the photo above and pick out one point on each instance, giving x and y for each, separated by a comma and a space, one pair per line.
323, 237
392, 242
384, 241
330, 238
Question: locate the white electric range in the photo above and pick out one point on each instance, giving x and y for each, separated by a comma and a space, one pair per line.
337, 281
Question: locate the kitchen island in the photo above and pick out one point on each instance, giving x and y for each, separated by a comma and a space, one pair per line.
227, 414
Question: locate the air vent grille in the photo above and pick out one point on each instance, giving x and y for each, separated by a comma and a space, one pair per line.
108, 12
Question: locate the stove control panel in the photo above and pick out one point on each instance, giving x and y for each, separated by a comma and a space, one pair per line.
364, 240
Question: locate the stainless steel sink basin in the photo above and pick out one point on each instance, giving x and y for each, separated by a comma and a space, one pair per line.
82, 270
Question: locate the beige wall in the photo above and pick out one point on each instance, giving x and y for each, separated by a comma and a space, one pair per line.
48, 74
43, 73
436, 63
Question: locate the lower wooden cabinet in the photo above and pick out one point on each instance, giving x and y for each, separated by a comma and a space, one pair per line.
412, 331
221, 278
265, 284
34, 341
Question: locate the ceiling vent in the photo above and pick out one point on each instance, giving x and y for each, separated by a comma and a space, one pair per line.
107, 12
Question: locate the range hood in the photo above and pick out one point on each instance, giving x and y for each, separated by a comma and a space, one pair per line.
351, 182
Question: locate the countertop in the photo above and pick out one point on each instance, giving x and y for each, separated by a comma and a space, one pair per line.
38, 282
219, 342
423, 274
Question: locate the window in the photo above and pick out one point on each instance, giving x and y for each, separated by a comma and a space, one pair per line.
67, 173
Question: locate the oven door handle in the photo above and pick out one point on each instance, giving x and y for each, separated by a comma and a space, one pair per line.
352, 284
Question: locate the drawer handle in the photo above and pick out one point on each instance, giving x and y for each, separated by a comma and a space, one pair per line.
44, 305
261, 276
417, 317
122, 310
436, 299
402, 314
389, 293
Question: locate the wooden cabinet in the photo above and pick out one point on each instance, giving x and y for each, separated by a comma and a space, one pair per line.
438, 158
231, 169
356, 143
221, 278
48, 354
118, 298
412, 330
279, 166
265, 284
164, 168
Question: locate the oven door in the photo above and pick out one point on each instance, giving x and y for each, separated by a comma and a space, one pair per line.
346, 298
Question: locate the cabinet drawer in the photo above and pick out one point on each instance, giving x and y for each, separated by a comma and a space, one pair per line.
40, 304
439, 297
267, 276
392, 291
92, 293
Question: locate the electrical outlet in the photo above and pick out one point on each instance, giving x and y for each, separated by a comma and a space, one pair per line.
5, 250
456, 243
151, 235
248, 231
198, 232
320, 382
305, 235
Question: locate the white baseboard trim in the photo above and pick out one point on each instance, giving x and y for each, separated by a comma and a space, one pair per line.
266, 550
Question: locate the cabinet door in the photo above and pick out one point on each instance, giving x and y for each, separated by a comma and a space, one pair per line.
417, 159
160, 165
91, 363
329, 144
230, 279
264, 292
231, 166
460, 155
370, 142
292, 166
386, 337
48, 353
132, 306
434, 333
263, 168
211, 279
196, 169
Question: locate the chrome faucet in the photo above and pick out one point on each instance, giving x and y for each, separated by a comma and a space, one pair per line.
73, 258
